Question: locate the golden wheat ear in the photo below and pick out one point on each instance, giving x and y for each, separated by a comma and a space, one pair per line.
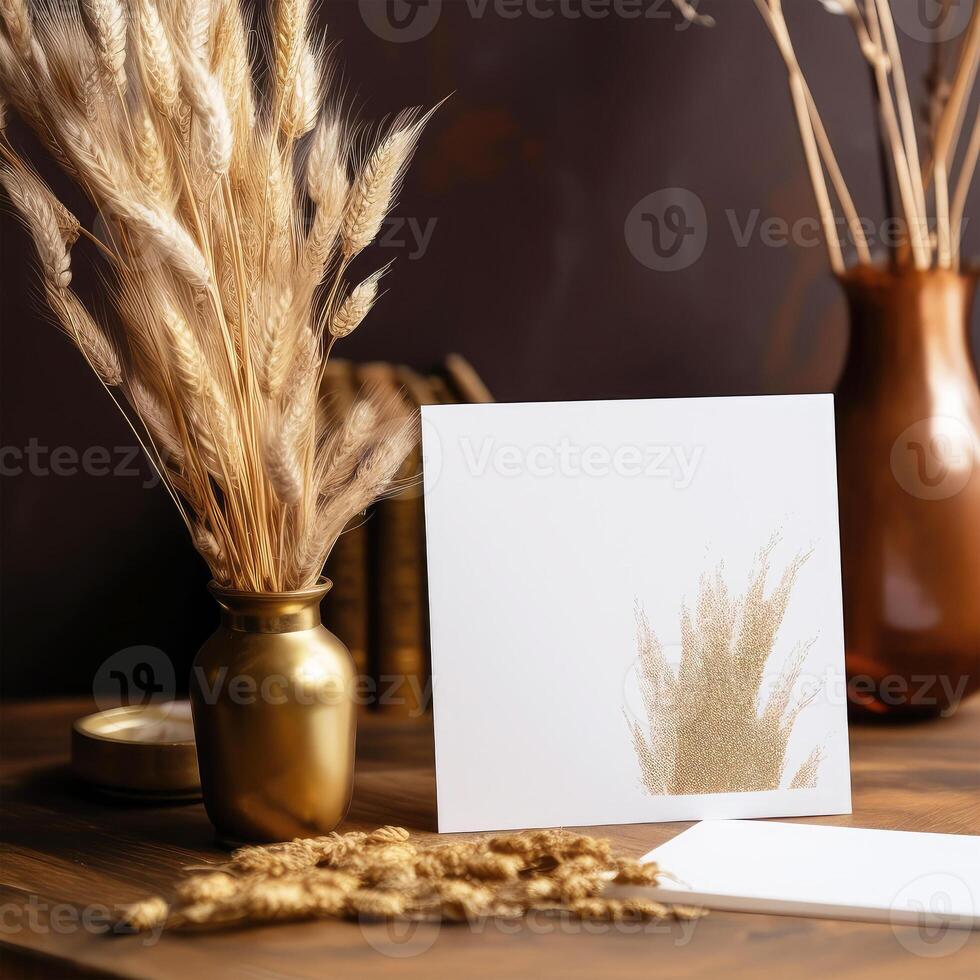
374, 191
229, 216
108, 24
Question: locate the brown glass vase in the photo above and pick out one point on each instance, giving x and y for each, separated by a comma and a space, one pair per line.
908, 441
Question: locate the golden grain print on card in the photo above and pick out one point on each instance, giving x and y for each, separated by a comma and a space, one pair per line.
720, 721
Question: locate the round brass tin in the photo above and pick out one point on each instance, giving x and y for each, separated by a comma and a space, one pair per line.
143, 752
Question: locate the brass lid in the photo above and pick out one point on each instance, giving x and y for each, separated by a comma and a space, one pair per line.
142, 751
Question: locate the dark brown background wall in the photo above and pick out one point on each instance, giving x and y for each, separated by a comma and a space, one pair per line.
558, 127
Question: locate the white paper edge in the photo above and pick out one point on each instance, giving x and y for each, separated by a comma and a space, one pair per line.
773, 906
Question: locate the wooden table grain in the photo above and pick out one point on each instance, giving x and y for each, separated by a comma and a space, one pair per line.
69, 858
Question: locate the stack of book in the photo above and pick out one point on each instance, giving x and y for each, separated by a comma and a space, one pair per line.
378, 604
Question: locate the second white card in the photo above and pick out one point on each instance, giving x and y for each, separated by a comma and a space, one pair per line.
635, 611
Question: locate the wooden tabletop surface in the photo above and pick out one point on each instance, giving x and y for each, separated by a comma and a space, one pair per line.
69, 858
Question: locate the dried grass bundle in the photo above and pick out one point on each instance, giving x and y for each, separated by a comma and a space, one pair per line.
718, 723
383, 875
227, 257
918, 167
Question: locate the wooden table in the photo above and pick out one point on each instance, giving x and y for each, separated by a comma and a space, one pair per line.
67, 856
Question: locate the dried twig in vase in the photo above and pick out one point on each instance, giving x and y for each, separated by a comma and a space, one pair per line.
948, 103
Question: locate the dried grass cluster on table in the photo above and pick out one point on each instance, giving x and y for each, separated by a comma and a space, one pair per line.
229, 217
384, 874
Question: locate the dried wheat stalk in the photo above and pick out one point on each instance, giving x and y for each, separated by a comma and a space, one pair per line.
950, 94
384, 874
227, 258
719, 723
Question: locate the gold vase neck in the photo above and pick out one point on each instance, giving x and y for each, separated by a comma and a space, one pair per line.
270, 612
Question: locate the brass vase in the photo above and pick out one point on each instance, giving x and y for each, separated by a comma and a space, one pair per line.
272, 694
908, 434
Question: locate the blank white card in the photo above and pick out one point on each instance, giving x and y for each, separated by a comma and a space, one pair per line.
635, 611
831, 872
